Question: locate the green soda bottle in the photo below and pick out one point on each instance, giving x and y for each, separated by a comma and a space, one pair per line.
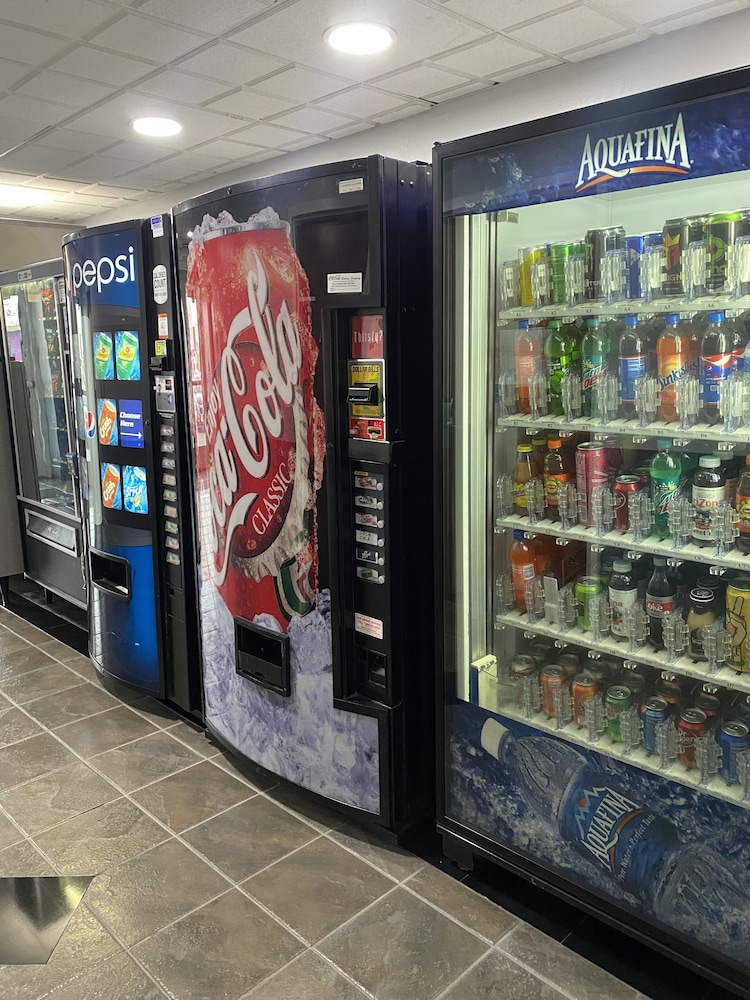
560, 350
595, 350
666, 479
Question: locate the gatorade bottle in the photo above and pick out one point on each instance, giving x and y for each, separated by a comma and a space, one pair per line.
743, 508
595, 348
560, 349
633, 362
672, 365
719, 357
527, 353
523, 566
666, 474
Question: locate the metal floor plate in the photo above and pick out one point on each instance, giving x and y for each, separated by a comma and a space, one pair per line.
34, 912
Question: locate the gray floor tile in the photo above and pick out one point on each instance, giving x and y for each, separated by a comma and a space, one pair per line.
140, 896
307, 978
145, 760
69, 706
9, 833
317, 888
107, 835
11, 643
83, 666
192, 795
479, 914
15, 725
53, 798
32, 758
21, 627
498, 976
34, 684
375, 848
421, 953
19, 657
153, 710
109, 729
249, 773
195, 738
219, 951
84, 943
305, 805
23, 859
248, 837
562, 967
118, 978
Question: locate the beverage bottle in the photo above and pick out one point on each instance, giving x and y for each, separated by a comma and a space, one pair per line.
595, 349
560, 350
633, 363
523, 471
642, 568
689, 464
666, 477
743, 508
523, 567
672, 364
623, 594
527, 354
558, 470
731, 466
719, 357
545, 551
709, 490
661, 598
538, 453
684, 579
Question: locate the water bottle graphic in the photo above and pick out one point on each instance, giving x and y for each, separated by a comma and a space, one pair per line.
687, 886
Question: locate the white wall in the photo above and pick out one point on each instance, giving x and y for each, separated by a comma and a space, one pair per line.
23, 243
717, 45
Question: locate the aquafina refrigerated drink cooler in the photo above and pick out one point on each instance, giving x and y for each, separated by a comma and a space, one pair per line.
594, 479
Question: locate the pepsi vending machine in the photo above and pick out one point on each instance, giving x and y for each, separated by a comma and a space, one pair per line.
132, 457
307, 300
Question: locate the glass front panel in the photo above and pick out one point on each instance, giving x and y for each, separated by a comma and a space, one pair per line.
597, 512
37, 374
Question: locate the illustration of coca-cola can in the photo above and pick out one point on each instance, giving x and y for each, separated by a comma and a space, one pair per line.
592, 470
249, 310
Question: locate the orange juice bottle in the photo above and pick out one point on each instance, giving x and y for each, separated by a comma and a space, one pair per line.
523, 566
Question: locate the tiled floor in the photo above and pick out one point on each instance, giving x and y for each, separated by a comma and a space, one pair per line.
212, 886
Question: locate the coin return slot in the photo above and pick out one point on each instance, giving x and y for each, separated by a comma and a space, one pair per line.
262, 656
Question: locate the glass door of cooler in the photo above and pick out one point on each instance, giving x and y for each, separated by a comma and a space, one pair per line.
596, 510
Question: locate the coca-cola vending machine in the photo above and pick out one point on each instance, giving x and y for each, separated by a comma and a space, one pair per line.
132, 457
307, 304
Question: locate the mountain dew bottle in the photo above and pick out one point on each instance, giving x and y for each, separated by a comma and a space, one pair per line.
595, 350
666, 479
563, 355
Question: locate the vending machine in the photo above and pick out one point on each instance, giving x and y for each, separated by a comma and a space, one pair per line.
36, 355
594, 482
132, 453
307, 305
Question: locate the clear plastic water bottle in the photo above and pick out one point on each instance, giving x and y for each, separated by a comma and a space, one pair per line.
666, 479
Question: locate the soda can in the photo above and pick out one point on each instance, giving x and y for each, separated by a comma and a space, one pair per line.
668, 688
527, 258
721, 233
523, 665
135, 489
708, 701
104, 359
740, 711
559, 254
619, 699
738, 623
592, 470
677, 236
653, 712
625, 486
693, 724
111, 487
551, 678
587, 587
569, 664
634, 677
585, 687
734, 738
598, 242
635, 246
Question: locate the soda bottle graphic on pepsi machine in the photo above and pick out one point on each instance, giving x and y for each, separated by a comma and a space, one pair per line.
310, 415
132, 457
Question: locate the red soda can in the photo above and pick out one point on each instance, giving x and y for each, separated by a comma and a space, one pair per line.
668, 687
614, 456
592, 470
692, 724
709, 701
551, 678
625, 486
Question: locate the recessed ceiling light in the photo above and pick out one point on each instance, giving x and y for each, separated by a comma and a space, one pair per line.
360, 38
12, 196
156, 126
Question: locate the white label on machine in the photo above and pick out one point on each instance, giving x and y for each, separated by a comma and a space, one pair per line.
353, 184
343, 282
368, 626
161, 292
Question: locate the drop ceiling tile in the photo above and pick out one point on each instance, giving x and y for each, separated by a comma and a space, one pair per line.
29, 46
97, 168
72, 18
612, 44
251, 105
54, 184
495, 55
270, 136
362, 126
141, 152
364, 101
698, 17
312, 120
302, 85
232, 63
104, 67
228, 150
311, 140
82, 143
114, 117
645, 11
470, 87
33, 110
31, 159
15, 130
407, 111
139, 36
214, 18
183, 87
84, 200
500, 16
198, 160
11, 72
106, 191
12, 177
546, 62
71, 90
420, 81
156, 173
575, 27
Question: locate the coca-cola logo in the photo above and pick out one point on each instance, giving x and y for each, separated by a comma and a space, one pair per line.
252, 425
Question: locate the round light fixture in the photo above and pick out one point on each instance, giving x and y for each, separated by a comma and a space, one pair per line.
360, 38
12, 196
154, 126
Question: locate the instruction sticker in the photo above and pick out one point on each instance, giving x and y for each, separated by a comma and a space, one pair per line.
344, 282
368, 626
157, 226
162, 326
161, 293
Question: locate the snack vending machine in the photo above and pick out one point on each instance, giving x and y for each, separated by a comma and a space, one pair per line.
132, 454
306, 299
593, 540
